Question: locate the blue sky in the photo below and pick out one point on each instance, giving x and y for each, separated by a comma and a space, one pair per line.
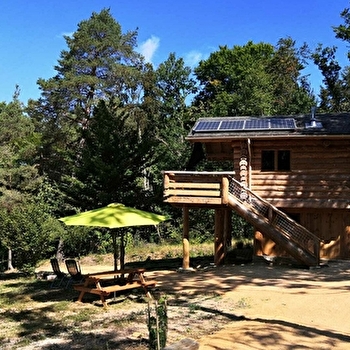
32, 31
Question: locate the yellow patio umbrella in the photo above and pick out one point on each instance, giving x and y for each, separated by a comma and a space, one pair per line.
113, 216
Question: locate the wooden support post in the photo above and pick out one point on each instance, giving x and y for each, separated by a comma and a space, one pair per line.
219, 237
227, 230
185, 239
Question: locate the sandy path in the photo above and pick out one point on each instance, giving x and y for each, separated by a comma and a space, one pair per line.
279, 307
282, 307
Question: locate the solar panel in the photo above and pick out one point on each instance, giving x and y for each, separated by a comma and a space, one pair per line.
231, 125
207, 125
224, 125
255, 124
282, 123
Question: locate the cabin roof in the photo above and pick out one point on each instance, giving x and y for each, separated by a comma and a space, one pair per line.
298, 126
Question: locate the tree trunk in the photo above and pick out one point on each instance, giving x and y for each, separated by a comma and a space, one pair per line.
9, 260
59, 253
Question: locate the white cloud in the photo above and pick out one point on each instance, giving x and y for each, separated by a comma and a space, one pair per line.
192, 58
69, 34
149, 47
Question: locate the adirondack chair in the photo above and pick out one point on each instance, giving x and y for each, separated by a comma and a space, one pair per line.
60, 276
74, 270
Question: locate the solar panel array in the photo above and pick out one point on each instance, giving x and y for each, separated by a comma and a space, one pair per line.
222, 125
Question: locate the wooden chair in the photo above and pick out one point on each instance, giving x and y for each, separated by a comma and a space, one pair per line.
60, 276
74, 270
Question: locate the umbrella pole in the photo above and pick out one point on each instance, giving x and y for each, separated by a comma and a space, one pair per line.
122, 251
115, 256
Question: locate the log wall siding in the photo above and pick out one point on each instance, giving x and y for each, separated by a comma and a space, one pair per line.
317, 188
332, 226
320, 173
335, 235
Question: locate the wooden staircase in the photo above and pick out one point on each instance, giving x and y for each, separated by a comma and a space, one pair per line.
221, 189
294, 238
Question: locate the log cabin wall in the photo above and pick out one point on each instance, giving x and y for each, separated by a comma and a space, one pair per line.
315, 189
315, 192
332, 226
318, 176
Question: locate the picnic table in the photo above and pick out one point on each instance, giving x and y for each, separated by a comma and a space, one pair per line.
104, 283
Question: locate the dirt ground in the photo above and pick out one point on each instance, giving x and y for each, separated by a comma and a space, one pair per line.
274, 307
245, 306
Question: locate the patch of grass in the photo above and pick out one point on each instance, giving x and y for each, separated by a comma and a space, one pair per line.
193, 307
132, 317
31, 311
84, 315
156, 251
61, 306
243, 303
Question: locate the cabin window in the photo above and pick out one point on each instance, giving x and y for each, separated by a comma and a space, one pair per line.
283, 160
275, 160
268, 160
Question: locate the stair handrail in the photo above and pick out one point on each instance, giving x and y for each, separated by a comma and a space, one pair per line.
289, 227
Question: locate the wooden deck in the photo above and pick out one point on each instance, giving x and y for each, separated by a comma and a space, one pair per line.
221, 190
184, 188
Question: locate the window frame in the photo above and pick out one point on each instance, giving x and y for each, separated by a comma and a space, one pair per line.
275, 160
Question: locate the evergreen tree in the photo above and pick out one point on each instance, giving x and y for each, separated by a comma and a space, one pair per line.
332, 93
100, 63
115, 154
291, 91
335, 93
174, 85
25, 221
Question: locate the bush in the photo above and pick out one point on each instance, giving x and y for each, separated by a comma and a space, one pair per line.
29, 231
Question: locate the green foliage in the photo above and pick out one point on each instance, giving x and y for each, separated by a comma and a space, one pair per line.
80, 241
343, 30
25, 226
18, 143
234, 81
253, 80
100, 64
157, 324
291, 91
172, 120
332, 94
29, 232
107, 125
335, 93
114, 153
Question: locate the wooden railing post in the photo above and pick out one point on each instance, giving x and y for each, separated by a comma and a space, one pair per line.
166, 180
224, 189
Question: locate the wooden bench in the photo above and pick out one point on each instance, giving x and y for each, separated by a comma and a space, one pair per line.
115, 288
92, 284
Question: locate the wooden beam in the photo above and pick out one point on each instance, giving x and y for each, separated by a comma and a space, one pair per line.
201, 185
194, 193
185, 239
227, 229
219, 243
194, 200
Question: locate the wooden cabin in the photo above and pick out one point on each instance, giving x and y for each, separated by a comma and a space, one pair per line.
290, 179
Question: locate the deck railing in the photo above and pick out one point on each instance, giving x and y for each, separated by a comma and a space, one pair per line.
196, 188
214, 188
